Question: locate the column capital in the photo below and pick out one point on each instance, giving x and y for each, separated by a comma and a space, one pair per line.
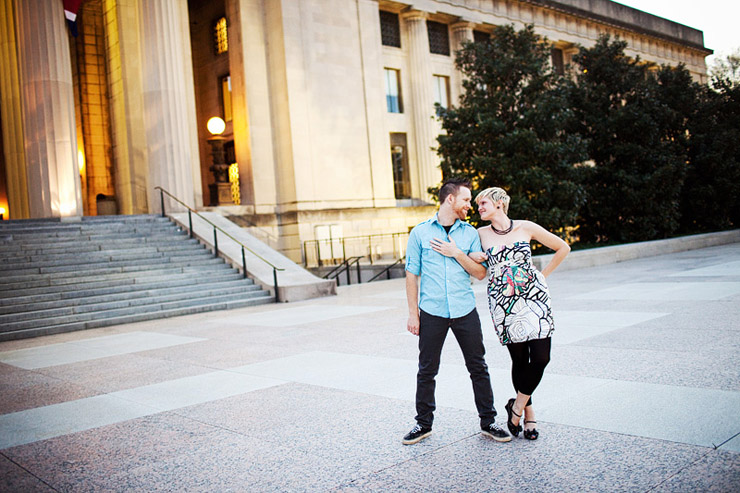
462, 25
414, 15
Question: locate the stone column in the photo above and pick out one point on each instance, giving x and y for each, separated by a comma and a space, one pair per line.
422, 102
48, 110
12, 117
169, 103
461, 32
123, 49
371, 48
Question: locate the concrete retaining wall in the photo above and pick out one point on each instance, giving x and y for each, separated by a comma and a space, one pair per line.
619, 253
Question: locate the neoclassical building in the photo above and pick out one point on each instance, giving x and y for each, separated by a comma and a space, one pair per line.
328, 104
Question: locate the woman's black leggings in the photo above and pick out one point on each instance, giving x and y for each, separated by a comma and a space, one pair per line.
528, 362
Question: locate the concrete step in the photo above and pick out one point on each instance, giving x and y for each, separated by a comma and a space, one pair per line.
57, 276
55, 300
126, 311
87, 305
128, 319
21, 241
103, 255
122, 285
81, 275
84, 264
119, 246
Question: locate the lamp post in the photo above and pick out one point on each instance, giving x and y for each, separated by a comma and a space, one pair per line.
221, 189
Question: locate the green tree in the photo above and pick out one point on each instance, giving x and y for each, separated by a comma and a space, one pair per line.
711, 195
635, 121
509, 128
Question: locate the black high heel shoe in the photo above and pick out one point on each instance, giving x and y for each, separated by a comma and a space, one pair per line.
532, 434
513, 429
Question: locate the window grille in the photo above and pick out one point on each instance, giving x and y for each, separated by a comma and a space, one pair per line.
220, 36
481, 37
439, 38
390, 30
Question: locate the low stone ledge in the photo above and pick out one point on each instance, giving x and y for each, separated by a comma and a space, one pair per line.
593, 257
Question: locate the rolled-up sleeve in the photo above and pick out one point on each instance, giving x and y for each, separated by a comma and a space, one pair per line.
413, 253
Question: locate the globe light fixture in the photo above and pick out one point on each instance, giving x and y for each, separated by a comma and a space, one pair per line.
2, 213
220, 188
216, 125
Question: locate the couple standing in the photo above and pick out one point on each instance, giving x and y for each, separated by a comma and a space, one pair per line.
440, 298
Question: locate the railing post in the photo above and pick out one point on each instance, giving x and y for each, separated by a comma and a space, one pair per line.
274, 278
344, 251
190, 222
244, 263
359, 279
318, 254
161, 200
215, 242
349, 279
370, 246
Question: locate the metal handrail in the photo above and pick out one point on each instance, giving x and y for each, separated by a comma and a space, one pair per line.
344, 267
275, 269
343, 240
387, 270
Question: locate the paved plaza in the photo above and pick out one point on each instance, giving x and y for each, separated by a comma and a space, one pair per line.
642, 394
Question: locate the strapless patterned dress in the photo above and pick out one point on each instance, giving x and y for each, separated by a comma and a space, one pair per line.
518, 296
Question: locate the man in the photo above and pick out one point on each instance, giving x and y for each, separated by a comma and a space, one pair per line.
444, 300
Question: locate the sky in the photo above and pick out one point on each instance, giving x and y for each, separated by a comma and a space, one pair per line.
718, 19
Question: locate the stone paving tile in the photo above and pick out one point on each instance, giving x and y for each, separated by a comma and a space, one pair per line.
716, 369
717, 471
26, 389
121, 372
219, 354
165, 453
14, 478
563, 459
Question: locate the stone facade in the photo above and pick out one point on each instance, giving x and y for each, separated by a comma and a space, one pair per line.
319, 141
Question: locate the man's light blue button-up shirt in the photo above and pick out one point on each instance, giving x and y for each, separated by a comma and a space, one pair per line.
444, 289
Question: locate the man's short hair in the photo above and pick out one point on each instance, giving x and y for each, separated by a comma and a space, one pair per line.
452, 187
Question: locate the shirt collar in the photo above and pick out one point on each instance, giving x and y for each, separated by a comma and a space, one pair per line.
454, 225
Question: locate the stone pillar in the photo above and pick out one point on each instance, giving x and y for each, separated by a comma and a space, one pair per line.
379, 143
12, 117
169, 103
461, 32
48, 110
422, 103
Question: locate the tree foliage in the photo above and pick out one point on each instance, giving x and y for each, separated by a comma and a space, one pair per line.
635, 121
509, 128
711, 195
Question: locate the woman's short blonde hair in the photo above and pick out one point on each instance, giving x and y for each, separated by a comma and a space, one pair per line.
494, 194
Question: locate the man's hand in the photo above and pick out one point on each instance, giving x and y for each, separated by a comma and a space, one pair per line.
413, 324
448, 249
479, 257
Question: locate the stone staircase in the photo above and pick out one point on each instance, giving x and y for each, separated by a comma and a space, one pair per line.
58, 276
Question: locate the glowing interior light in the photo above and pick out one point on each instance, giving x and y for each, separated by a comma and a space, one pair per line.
216, 126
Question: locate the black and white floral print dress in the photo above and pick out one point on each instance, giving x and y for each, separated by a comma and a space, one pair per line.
518, 296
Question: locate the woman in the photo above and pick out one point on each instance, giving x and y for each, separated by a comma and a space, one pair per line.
518, 298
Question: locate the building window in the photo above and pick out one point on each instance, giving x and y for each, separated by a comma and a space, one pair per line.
393, 91
400, 161
390, 29
225, 85
442, 90
481, 37
439, 38
220, 36
558, 64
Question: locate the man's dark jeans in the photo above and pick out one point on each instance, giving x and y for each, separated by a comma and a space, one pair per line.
432, 334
